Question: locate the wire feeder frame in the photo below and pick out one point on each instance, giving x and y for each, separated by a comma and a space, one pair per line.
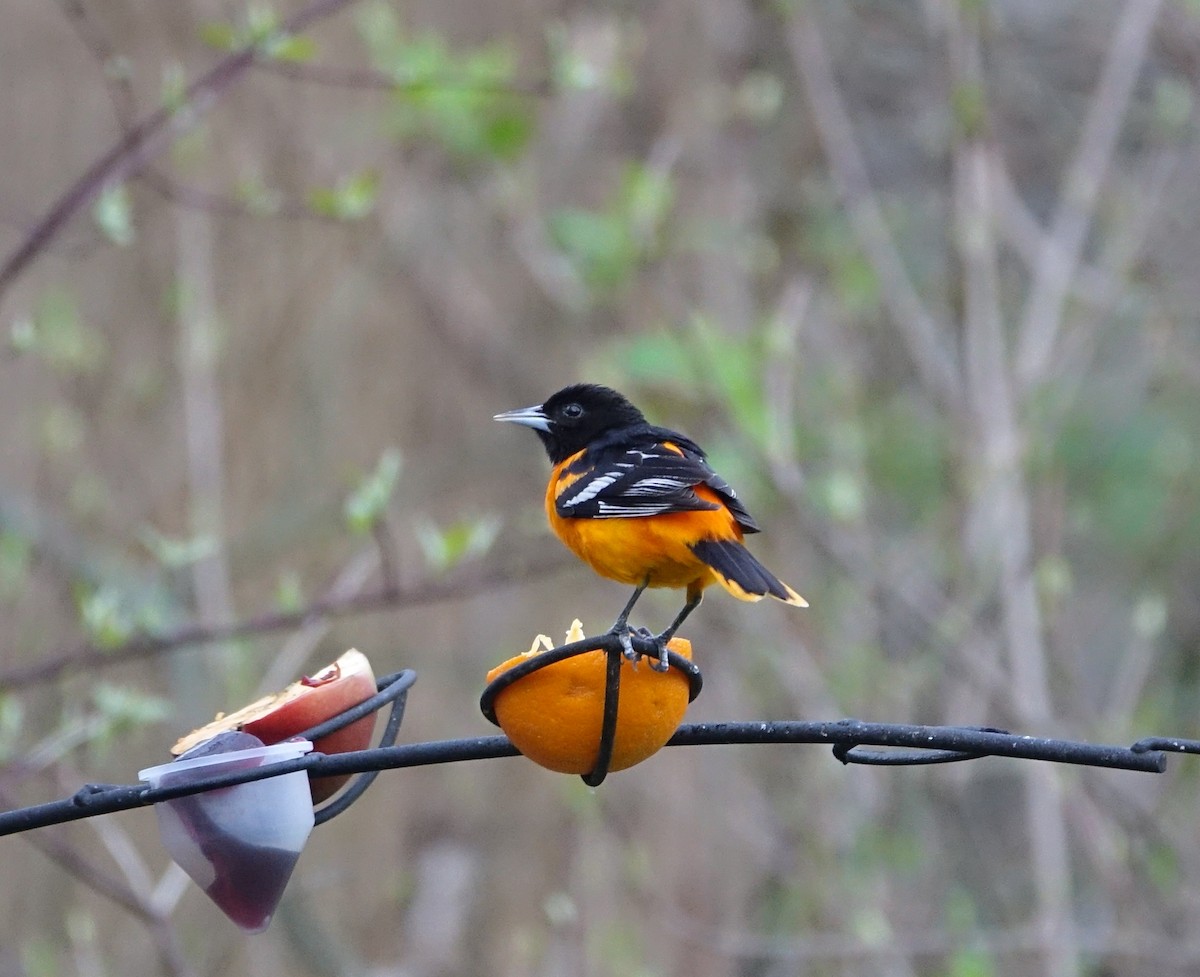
852, 741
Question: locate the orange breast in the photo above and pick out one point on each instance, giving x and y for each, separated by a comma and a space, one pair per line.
629, 550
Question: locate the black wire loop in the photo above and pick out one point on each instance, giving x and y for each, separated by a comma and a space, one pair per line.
391, 689
610, 644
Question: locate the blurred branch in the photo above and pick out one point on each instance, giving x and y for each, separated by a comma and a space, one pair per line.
56, 846
999, 506
93, 37
370, 79
1021, 231
298, 646
147, 139
1062, 249
466, 584
929, 342
752, 949
199, 198
197, 353
385, 541
1101, 283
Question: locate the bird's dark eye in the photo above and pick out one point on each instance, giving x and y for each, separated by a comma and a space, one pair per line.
572, 410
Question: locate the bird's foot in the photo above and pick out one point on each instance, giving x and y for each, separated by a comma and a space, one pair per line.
625, 636
662, 662
654, 648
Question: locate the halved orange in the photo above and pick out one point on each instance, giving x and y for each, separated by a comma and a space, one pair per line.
553, 715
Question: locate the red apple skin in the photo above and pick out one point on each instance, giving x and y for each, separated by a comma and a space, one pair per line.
302, 705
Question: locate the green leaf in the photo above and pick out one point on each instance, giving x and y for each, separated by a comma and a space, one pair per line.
104, 617
598, 245
368, 503
113, 214
657, 358
290, 47
125, 708
759, 96
12, 723
357, 195
606, 246
971, 962
646, 196
462, 99
262, 23
174, 86
1150, 615
289, 592
60, 336
969, 106
173, 552
257, 197
16, 553
508, 134
445, 548
220, 35
578, 64
379, 27
843, 496
323, 201
352, 199
22, 335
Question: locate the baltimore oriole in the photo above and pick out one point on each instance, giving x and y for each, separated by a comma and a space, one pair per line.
641, 505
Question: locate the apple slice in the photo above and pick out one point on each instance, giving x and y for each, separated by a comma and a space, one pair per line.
302, 705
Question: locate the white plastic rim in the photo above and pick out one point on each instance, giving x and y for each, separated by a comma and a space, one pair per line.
275, 753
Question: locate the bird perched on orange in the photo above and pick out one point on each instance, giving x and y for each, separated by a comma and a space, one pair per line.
641, 505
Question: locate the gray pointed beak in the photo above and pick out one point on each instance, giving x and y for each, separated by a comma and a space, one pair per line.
533, 417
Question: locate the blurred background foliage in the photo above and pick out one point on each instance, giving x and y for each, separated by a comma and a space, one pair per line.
921, 275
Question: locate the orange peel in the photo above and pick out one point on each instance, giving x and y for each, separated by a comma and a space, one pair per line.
554, 714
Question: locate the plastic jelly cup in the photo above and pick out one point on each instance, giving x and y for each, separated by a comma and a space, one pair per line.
240, 843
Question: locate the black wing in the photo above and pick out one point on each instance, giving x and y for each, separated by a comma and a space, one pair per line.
645, 479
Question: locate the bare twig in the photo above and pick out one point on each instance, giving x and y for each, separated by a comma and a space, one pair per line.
296, 649
199, 198
197, 358
1079, 196
117, 82
385, 541
1020, 230
87, 655
371, 79
929, 342
1000, 509
55, 845
147, 139
779, 381
1148, 947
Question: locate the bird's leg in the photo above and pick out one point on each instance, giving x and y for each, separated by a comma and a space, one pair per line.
693, 601
621, 624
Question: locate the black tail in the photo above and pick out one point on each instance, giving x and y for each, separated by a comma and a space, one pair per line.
741, 574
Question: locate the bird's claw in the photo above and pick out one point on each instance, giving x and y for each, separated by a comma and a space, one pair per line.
659, 662
625, 636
